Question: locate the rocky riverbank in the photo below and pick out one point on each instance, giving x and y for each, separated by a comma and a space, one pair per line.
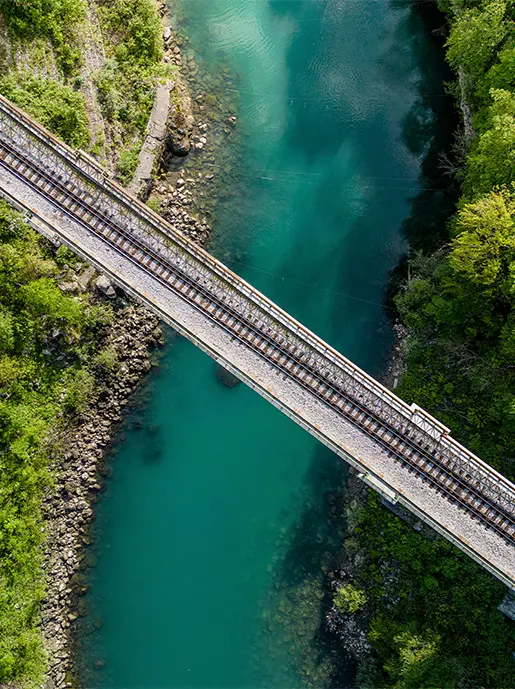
78, 470
351, 628
78, 462
198, 165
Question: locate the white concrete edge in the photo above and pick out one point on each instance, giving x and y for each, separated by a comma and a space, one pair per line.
373, 480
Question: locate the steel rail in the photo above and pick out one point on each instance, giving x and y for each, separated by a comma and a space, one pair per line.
77, 200
86, 208
454, 452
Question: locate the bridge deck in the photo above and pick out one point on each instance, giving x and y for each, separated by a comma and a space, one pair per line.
400, 450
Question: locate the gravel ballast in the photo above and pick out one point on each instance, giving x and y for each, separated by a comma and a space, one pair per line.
350, 443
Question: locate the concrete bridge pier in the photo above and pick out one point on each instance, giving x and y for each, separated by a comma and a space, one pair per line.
508, 604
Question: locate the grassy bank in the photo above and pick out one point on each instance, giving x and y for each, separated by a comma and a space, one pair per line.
434, 621
48, 353
126, 83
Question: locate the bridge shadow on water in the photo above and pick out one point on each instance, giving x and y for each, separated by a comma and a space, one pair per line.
300, 593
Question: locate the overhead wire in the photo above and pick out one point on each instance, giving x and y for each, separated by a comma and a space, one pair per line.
285, 278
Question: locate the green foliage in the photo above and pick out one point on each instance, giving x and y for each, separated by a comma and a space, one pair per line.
154, 205
474, 37
349, 598
54, 20
501, 75
435, 619
79, 386
36, 389
6, 331
127, 82
443, 628
127, 164
484, 250
43, 299
65, 257
55, 105
492, 160
106, 361
137, 27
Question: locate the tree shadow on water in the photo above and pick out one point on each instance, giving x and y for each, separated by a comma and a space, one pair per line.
430, 128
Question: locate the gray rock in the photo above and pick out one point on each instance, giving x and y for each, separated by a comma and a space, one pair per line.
86, 277
68, 286
105, 286
178, 146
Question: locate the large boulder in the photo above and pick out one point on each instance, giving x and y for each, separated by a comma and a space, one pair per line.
179, 145
105, 286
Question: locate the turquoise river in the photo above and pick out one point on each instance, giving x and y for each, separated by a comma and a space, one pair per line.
220, 519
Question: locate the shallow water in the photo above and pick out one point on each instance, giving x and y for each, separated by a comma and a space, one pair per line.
220, 517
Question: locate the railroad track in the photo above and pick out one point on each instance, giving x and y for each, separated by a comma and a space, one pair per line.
402, 444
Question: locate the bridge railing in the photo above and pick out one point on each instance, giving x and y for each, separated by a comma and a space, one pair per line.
397, 410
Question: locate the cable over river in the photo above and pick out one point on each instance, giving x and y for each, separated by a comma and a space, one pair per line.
219, 519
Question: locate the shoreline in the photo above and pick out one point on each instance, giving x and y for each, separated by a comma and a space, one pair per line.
78, 467
68, 508
180, 189
352, 628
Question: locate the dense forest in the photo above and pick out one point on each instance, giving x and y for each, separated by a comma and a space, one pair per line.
434, 617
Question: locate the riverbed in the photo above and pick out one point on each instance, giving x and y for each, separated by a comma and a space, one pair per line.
220, 524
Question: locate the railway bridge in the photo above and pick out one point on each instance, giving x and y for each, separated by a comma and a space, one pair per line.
399, 450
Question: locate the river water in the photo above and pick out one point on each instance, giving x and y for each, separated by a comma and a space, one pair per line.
221, 518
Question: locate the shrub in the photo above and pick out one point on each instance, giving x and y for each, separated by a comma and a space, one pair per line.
79, 391
56, 106
138, 28
54, 20
43, 299
154, 204
349, 598
106, 361
64, 256
127, 164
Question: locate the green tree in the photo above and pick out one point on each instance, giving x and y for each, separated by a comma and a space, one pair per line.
484, 250
502, 74
474, 37
492, 161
